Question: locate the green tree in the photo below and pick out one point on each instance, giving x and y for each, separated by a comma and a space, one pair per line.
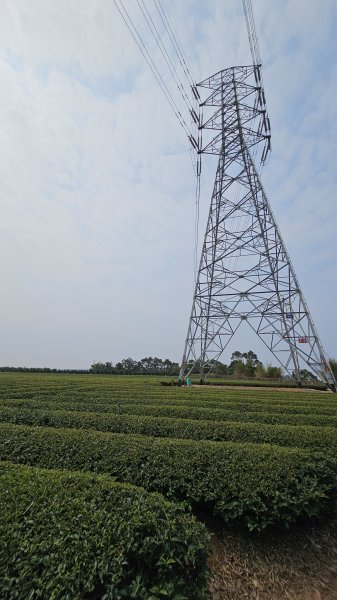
273, 372
305, 375
98, 367
220, 368
130, 366
333, 366
260, 372
236, 356
243, 364
239, 369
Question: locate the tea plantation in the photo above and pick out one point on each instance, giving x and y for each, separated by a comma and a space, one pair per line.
103, 479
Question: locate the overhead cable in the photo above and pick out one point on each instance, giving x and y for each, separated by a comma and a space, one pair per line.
176, 45
253, 40
142, 47
152, 26
191, 101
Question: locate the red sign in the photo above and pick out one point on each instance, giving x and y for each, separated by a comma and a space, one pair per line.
302, 340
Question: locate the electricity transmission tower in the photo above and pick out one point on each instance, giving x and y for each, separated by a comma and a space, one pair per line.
245, 273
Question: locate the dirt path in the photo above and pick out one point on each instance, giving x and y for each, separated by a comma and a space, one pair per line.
262, 387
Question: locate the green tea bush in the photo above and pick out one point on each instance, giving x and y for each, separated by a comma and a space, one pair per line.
255, 484
209, 413
76, 536
301, 436
191, 411
276, 405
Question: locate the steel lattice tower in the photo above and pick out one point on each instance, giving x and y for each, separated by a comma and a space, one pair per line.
245, 272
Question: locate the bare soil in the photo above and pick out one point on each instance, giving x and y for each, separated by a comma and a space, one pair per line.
297, 565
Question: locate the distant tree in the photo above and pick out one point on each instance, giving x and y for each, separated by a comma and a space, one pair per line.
333, 366
43, 370
170, 368
305, 375
129, 366
149, 365
273, 372
239, 369
243, 364
167, 364
251, 357
251, 363
219, 368
260, 372
157, 366
97, 367
236, 356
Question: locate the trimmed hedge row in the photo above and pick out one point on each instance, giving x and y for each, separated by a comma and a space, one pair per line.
81, 388
257, 485
207, 412
54, 383
77, 536
236, 404
318, 438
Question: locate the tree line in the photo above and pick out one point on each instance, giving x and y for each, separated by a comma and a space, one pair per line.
242, 365
43, 370
144, 366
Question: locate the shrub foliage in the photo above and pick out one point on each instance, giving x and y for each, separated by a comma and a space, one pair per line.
301, 436
256, 484
79, 536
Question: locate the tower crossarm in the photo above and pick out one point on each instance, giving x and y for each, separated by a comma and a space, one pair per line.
248, 94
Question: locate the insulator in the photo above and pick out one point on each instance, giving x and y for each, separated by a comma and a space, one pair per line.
195, 92
193, 142
195, 117
257, 74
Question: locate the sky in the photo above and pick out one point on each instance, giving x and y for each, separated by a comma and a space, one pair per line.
96, 182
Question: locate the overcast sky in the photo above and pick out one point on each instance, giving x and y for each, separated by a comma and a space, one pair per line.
96, 183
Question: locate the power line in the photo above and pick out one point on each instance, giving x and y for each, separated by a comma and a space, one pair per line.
195, 120
142, 47
253, 40
152, 26
176, 45
193, 108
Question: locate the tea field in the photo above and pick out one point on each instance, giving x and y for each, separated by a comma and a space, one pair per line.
110, 484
